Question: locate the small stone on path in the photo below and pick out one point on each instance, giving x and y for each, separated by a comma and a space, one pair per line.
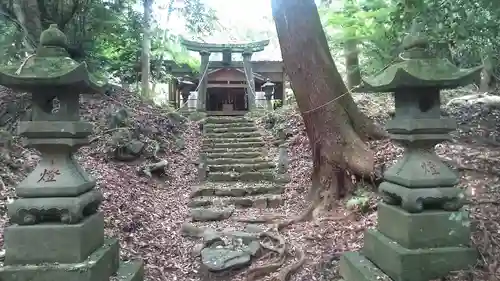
219, 259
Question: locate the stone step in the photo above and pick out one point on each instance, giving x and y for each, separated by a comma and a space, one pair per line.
248, 129
227, 140
130, 271
229, 125
236, 189
232, 150
232, 135
211, 214
237, 161
235, 145
243, 176
240, 167
223, 153
259, 201
227, 120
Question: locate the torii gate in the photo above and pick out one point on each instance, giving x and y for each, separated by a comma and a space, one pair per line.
205, 49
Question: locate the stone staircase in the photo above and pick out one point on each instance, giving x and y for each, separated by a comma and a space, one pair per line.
235, 172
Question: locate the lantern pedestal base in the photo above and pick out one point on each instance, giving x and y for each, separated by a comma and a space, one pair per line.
411, 247
50, 242
414, 231
99, 266
403, 264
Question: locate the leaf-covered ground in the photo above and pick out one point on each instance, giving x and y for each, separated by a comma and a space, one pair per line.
146, 214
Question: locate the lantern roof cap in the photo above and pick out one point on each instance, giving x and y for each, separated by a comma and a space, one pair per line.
416, 67
268, 83
50, 66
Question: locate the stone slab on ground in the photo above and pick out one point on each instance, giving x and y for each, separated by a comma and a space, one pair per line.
218, 259
356, 267
429, 229
99, 266
402, 264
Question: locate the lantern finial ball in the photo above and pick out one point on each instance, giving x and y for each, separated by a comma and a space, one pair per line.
416, 38
53, 37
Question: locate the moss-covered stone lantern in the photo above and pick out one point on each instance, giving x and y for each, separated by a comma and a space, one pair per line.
423, 232
57, 232
268, 89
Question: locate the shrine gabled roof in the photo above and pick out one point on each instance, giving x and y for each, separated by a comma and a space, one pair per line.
255, 75
256, 46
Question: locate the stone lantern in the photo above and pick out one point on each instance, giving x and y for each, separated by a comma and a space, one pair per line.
423, 232
185, 88
57, 232
268, 89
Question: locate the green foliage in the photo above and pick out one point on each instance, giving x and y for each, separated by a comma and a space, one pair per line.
358, 203
10, 34
276, 121
277, 104
464, 31
108, 35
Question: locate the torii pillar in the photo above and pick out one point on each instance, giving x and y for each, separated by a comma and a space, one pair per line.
247, 65
202, 88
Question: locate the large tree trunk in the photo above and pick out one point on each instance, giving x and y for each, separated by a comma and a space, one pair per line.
28, 15
335, 126
146, 48
33, 16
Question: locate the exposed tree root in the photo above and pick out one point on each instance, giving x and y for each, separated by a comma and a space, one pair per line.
283, 250
260, 271
287, 272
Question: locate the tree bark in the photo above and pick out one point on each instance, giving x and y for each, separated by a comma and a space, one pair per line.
146, 47
487, 77
33, 16
335, 126
28, 14
351, 54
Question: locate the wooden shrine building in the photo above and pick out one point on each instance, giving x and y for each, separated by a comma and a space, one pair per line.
226, 87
